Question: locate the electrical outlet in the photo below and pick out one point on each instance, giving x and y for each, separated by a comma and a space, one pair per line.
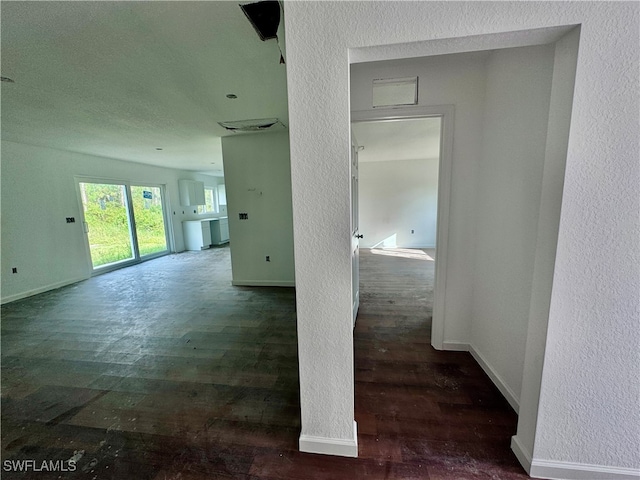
411, 231
71, 220
267, 258
243, 216
14, 270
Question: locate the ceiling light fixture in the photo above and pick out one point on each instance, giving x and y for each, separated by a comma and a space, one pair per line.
231, 95
6, 80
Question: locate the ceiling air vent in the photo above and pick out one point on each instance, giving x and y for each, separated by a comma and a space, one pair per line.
250, 126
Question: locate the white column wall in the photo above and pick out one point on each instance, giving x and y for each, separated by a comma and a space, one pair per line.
257, 175
588, 407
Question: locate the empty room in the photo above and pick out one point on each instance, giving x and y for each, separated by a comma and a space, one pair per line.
204, 276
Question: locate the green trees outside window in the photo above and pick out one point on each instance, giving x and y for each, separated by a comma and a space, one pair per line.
109, 220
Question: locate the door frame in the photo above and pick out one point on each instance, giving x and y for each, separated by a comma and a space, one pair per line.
446, 112
355, 228
168, 228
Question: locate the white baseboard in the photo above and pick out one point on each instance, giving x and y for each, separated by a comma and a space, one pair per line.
580, 471
415, 247
506, 391
36, 291
522, 454
263, 283
568, 470
455, 346
330, 446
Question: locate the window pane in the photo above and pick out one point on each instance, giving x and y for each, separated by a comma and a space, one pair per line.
106, 214
209, 199
222, 195
147, 210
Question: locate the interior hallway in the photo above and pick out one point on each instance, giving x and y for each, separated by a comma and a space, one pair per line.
434, 413
165, 371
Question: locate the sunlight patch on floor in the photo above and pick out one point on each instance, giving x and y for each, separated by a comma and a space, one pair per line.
403, 252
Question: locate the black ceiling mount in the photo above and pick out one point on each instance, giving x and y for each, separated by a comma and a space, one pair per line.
264, 16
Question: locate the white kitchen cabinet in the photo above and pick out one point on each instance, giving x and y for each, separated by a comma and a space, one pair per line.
197, 234
191, 192
219, 230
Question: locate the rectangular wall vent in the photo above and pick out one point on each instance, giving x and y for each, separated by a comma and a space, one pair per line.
249, 126
391, 92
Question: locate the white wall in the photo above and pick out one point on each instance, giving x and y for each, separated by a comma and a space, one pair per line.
258, 182
396, 197
590, 387
39, 192
588, 419
509, 185
457, 80
564, 71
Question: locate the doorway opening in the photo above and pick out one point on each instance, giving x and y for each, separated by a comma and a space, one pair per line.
123, 223
513, 112
404, 157
397, 200
398, 164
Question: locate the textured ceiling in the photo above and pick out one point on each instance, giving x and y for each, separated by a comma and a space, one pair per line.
121, 79
411, 139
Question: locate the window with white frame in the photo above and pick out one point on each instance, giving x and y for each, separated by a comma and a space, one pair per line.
210, 198
222, 194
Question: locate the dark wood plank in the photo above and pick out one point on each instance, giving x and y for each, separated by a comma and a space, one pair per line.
164, 371
437, 409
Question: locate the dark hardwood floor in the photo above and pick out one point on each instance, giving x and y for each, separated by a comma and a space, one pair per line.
166, 371
431, 414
